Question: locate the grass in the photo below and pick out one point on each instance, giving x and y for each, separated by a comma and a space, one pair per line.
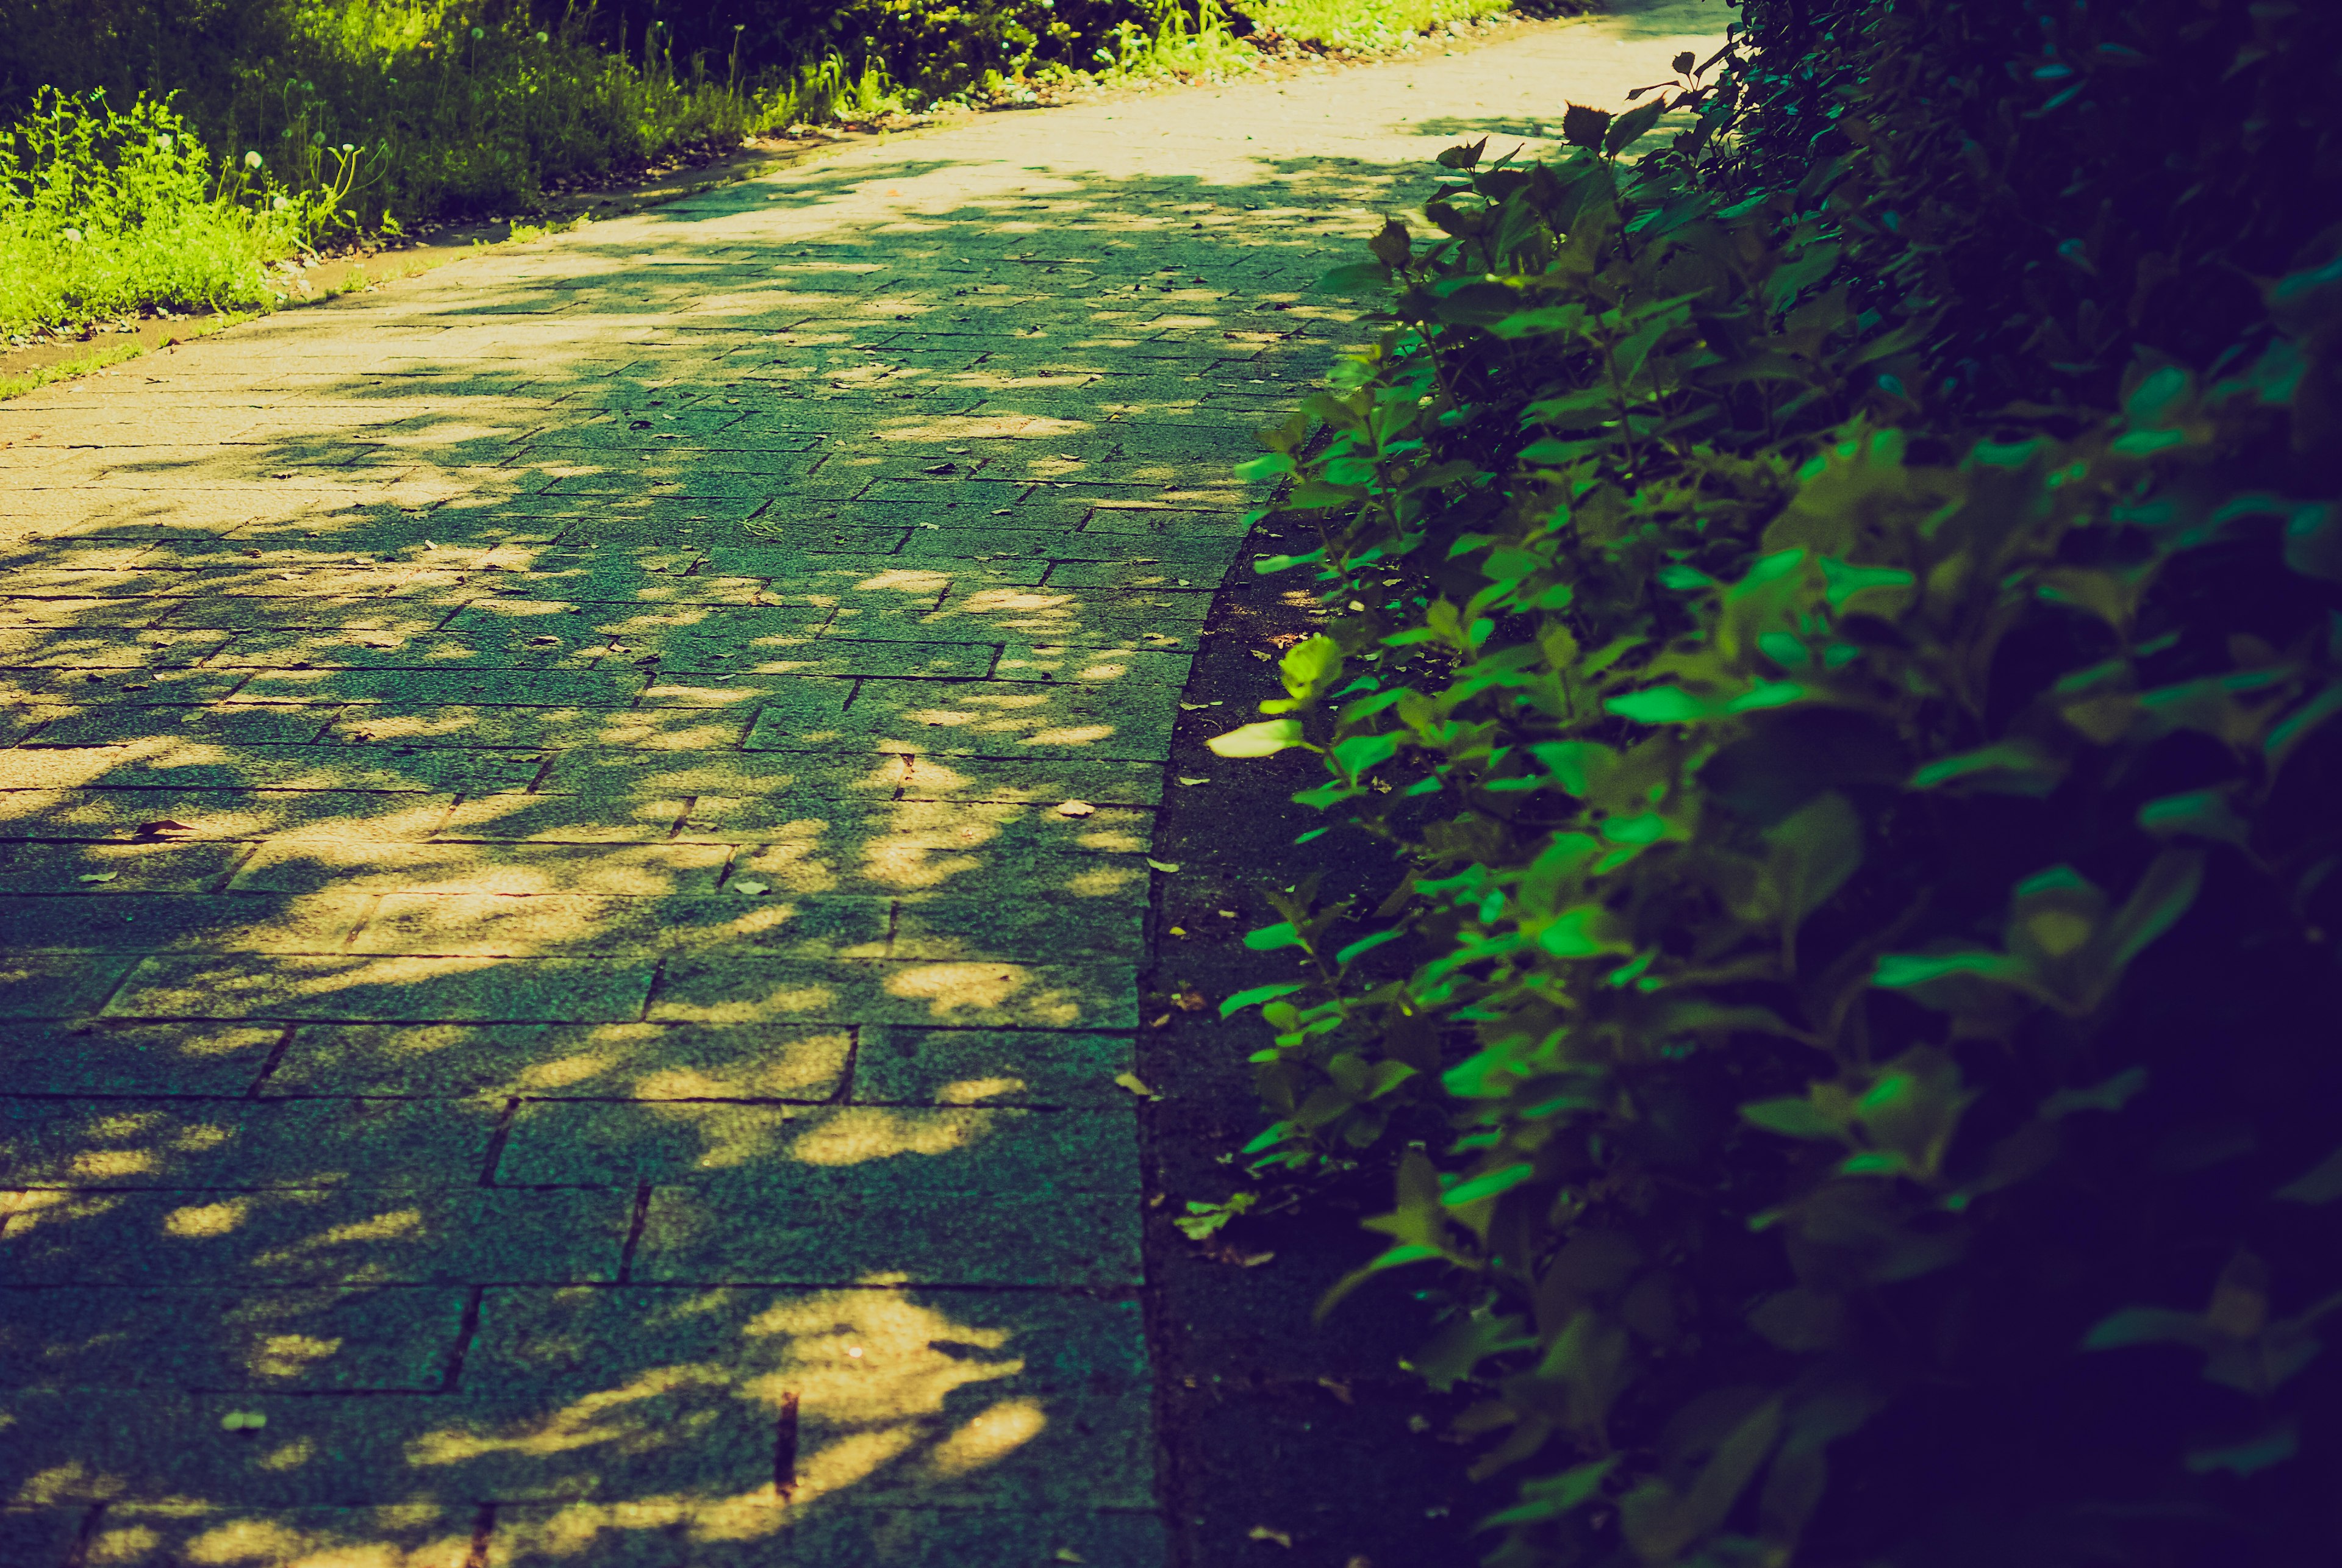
105, 211
1368, 24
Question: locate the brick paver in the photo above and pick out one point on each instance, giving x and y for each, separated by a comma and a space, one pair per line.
538, 949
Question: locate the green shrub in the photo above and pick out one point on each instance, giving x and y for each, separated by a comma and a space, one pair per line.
103, 210
1852, 1015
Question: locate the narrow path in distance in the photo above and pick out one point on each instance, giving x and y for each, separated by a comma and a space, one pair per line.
574, 852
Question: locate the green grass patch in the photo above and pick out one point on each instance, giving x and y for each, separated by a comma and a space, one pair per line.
1369, 23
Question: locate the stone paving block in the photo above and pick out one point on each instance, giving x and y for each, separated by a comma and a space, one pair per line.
149, 922
415, 1535
725, 988
607, 1061
422, 989
400, 724
462, 1234
830, 1532
97, 648
230, 723
582, 688
41, 1537
645, 1441
982, 717
990, 1067
966, 1395
491, 925
67, 1338
821, 1155
1096, 912
916, 1346
126, 1143
176, 765
510, 869
591, 818
45, 985
219, 814
1144, 666
803, 777
80, 1057
755, 1234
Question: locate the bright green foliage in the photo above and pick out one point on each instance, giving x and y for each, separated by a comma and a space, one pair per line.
105, 209
445, 107
1865, 871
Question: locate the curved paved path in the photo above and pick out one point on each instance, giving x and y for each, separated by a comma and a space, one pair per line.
554, 1016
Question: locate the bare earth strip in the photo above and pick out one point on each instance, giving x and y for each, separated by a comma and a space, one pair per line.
553, 1015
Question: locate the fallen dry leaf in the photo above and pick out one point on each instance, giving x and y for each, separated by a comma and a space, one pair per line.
160, 827
1166, 867
1160, 1021
1337, 1388
1136, 1084
1195, 781
1263, 1532
751, 888
1189, 1000
97, 877
1076, 808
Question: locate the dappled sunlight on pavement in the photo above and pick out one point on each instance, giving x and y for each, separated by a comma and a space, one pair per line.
549, 1012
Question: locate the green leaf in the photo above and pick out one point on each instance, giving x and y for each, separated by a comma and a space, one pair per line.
2111, 1096
1589, 931
1488, 1186
2321, 1183
2149, 1325
1663, 705
2162, 896
1310, 664
1391, 245
1267, 468
1552, 1496
1792, 1117
1264, 739
2199, 814
1900, 970
1264, 564
1397, 1258
1629, 128
1365, 945
2272, 1444
1359, 279
1255, 996
2015, 767
1582, 126
1269, 938
1357, 753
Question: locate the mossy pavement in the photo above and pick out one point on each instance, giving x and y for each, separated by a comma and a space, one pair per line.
574, 853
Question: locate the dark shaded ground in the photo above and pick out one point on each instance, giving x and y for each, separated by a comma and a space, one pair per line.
1268, 1421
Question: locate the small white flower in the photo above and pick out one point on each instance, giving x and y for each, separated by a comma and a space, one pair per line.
251, 159
348, 149
277, 204
545, 38
73, 236
164, 142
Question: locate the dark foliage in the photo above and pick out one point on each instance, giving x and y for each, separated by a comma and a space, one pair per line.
1841, 622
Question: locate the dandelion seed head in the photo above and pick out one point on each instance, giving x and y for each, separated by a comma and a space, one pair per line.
251, 159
